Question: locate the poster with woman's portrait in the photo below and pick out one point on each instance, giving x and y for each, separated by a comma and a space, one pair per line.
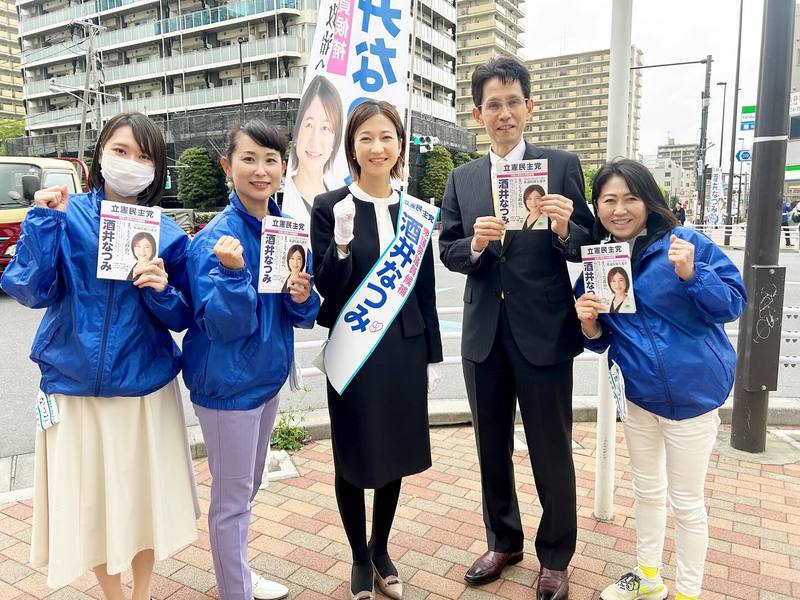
520, 187
607, 273
128, 239
285, 246
359, 52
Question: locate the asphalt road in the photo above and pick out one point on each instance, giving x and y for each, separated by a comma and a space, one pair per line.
19, 377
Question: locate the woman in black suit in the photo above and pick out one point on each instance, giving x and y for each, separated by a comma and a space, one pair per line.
379, 425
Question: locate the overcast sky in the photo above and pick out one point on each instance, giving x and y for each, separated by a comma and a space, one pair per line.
666, 31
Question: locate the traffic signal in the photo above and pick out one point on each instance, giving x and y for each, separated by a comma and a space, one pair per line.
425, 142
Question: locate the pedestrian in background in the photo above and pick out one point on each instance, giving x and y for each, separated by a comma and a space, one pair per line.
379, 425
239, 350
686, 289
785, 210
113, 481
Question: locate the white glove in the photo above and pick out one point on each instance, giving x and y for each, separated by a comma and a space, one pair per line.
433, 378
344, 212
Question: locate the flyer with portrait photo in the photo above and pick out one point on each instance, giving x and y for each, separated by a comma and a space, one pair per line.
285, 246
520, 186
607, 273
128, 236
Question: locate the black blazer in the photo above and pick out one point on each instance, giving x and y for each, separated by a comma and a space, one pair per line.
528, 270
336, 279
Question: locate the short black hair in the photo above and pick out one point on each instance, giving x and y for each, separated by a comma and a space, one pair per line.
262, 132
360, 115
504, 68
640, 182
143, 235
151, 141
323, 89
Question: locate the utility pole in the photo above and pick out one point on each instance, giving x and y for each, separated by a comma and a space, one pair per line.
724, 85
701, 158
729, 202
618, 89
91, 29
241, 41
760, 327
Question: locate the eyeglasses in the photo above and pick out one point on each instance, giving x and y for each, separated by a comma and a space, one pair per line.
496, 106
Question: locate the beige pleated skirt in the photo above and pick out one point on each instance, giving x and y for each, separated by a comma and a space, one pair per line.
113, 478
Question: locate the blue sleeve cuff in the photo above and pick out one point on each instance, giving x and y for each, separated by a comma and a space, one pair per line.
233, 273
41, 211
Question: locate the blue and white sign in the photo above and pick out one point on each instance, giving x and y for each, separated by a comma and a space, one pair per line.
743, 155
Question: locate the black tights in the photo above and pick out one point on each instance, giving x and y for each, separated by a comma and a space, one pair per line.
353, 511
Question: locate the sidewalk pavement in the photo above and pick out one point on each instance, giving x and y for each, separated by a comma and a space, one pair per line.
296, 535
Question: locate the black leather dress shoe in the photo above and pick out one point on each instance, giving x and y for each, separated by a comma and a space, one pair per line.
552, 585
490, 565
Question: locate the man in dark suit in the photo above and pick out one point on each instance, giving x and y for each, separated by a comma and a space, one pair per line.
520, 331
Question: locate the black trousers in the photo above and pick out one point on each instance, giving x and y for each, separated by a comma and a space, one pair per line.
545, 401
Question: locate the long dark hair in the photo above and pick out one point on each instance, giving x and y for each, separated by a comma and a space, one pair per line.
323, 89
640, 182
143, 235
150, 140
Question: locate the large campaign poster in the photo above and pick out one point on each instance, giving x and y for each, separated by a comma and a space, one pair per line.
360, 51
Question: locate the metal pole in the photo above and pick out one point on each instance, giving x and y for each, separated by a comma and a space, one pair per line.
85, 105
701, 180
729, 202
618, 89
751, 391
241, 82
411, 61
724, 85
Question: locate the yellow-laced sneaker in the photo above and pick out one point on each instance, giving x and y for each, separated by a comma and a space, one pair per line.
635, 586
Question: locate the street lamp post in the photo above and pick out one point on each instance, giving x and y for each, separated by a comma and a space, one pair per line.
727, 239
241, 41
739, 194
724, 85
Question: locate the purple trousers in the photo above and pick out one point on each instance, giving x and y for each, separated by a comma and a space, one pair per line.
237, 443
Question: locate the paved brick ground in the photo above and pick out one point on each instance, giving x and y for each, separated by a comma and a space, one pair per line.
296, 536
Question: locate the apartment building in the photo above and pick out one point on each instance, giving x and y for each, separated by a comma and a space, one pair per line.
686, 156
11, 104
570, 97
196, 66
486, 29
668, 174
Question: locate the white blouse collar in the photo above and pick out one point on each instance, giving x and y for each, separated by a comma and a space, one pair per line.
357, 192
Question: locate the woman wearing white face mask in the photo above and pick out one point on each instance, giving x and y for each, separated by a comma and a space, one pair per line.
113, 485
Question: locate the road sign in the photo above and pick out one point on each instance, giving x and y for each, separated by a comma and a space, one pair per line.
743, 155
747, 120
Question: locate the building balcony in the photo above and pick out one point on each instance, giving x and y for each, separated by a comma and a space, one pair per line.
202, 20
427, 106
434, 73
202, 60
256, 91
437, 39
442, 7
59, 18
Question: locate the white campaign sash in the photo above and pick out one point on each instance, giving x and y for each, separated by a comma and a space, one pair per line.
372, 308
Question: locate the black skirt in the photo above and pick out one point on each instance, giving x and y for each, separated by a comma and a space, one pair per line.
379, 427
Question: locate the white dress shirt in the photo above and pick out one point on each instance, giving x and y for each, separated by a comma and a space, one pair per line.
516, 154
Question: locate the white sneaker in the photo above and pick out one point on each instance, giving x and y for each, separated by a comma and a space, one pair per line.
634, 586
264, 589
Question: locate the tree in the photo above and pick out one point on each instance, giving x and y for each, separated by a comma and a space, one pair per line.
461, 158
438, 164
9, 129
201, 182
588, 180
476, 154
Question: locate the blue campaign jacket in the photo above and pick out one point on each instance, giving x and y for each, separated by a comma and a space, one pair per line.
239, 349
98, 337
675, 357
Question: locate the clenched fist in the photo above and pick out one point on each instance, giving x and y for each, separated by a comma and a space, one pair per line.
486, 229
681, 255
230, 253
55, 197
